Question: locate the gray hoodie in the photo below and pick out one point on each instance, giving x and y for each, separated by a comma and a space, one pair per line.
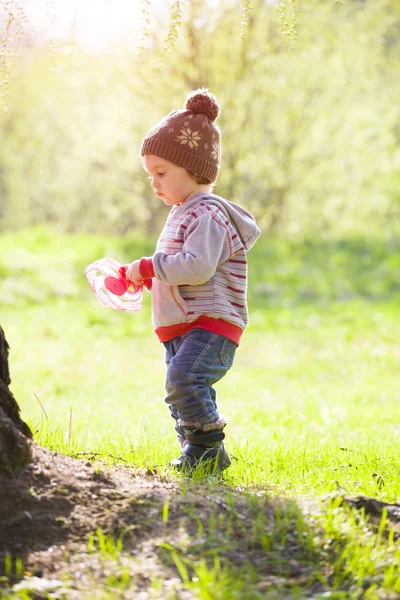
200, 263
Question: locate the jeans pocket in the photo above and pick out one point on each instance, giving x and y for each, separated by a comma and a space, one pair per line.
227, 352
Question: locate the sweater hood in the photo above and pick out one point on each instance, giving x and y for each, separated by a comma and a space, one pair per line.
241, 219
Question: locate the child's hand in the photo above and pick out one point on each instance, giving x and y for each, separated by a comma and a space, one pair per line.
133, 273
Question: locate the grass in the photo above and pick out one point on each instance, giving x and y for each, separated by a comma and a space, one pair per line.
311, 402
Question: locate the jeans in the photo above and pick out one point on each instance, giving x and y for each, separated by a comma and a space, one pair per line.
195, 362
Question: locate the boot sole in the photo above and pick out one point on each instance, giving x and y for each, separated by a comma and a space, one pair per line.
187, 463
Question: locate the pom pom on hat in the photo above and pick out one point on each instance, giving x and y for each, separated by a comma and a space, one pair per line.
202, 102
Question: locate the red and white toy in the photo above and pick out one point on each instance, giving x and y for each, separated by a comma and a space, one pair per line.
107, 279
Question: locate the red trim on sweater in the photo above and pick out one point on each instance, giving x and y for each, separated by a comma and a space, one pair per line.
146, 268
229, 330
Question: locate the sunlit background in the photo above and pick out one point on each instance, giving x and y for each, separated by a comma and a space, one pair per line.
93, 24
310, 110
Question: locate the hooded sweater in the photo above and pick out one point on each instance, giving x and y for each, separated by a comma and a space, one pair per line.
199, 269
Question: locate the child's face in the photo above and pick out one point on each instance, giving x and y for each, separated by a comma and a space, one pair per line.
171, 183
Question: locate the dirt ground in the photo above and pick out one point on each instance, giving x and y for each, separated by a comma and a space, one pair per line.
49, 510
61, 520
50, 513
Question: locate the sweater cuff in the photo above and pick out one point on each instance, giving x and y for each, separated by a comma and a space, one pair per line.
146, 268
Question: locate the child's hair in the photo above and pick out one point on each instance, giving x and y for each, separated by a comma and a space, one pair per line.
199, 178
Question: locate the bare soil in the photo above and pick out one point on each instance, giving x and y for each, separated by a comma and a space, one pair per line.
50, 512
55, 513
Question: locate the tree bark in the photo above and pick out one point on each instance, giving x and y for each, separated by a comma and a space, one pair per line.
14, 433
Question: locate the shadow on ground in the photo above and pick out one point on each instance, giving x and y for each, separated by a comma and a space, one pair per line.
69, 523
60, 511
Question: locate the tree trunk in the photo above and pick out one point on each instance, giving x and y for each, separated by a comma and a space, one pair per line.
14, 446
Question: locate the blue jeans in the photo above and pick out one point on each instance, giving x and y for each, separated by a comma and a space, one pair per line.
195, 362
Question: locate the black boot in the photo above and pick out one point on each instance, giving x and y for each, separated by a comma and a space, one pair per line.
205, 448
181, 435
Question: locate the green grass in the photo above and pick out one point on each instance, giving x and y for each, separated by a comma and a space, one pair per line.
311, 402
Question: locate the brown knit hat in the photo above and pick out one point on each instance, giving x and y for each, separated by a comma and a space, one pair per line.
189, 138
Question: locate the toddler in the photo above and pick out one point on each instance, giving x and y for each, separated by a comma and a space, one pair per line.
198, 272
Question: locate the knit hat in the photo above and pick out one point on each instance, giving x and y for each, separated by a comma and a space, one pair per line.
189, 138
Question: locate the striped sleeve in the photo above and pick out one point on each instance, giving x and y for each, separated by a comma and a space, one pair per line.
208, 242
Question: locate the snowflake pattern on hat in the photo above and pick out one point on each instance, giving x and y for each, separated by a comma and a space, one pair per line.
215, 151
189, 137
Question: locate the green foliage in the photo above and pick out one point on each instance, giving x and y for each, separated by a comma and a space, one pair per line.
288, 23
310, 134
324, 321
42, 265
324, 271
247, 7
175, 23
311, 403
